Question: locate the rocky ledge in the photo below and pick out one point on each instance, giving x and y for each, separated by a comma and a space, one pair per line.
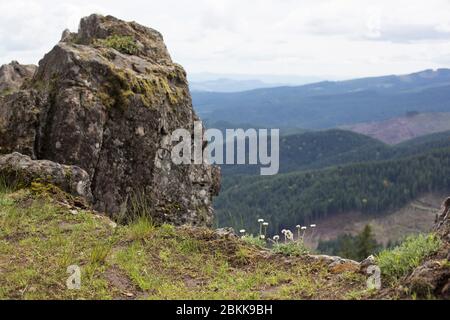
21, 170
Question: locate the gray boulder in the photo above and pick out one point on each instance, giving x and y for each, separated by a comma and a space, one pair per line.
368, 262
21, 169
337, 264
226, 232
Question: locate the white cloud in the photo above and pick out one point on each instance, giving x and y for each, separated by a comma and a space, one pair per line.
313, 37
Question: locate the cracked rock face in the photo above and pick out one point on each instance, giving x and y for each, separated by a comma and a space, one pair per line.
106, 99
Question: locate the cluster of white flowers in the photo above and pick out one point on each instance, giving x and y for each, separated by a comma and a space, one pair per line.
288, 234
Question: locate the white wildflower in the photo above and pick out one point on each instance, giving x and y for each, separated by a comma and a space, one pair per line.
289, 235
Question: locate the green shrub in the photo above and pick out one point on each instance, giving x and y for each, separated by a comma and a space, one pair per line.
99, 253
11, 181
167, 230
401, 260
256, 241
290, 249
3, 185
189, 246
140, 206
4, 201
123, 44
141, 228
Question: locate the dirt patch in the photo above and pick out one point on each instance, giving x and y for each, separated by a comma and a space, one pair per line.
344, 267
16, 237
192, 283
119, 281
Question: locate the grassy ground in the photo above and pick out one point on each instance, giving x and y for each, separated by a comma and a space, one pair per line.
39, 239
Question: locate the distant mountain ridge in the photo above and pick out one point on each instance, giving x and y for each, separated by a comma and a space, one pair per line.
330, 104
230, 85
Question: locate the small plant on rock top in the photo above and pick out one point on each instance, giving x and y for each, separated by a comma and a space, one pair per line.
123, 44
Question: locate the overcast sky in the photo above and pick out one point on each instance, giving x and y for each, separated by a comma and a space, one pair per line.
324, 38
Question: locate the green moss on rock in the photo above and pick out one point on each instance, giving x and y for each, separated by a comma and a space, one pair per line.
5, 92
151, 89
123, 44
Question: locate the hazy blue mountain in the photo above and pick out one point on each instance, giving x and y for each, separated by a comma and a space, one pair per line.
294, 80
329, 104
230, 85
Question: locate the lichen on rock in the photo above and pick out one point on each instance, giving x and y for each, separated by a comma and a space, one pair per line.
110, 111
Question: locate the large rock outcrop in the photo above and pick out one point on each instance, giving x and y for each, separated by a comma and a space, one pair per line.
107, 99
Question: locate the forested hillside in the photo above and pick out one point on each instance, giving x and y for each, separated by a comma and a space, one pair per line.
298, 197
316, 150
